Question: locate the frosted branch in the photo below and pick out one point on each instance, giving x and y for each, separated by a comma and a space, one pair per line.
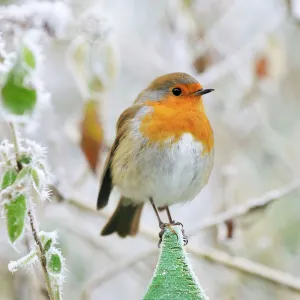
247, 207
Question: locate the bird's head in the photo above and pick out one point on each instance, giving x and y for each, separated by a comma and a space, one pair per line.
173, 86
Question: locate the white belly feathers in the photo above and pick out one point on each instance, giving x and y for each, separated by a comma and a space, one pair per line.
170, 174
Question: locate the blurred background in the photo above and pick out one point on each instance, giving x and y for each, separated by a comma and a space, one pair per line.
98, 55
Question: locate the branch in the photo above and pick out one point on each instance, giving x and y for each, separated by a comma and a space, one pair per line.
248, 267
237, 263
42, 254
247, 207
33, 223
111, 272
240, 264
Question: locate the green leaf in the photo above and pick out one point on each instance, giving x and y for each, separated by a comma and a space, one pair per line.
54, 264
25, 159
15, 216
35, 177
17, 98
28, 57
25, 171
173, 277
48, 245
9, 178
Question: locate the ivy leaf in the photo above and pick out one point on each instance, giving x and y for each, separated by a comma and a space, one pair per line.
15, 216
9, 178
54, 264
91, 134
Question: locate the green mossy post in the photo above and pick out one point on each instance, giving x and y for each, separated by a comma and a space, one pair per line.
173, 278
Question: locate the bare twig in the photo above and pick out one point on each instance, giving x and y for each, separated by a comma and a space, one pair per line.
92, 240
247, 207
240, 264
111, 272
33, 223
249, 267
237, 263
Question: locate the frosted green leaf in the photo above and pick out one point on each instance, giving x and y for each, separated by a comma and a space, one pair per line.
28, 57
15, 216
173, 277
9, 178
35, 177
54, 264
48, 245
25, 171
17, 98
25, 159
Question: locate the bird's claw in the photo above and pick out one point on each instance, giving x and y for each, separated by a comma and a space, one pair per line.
162, 226
177, 223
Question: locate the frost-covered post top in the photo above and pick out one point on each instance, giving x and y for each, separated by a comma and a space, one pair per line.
173, 277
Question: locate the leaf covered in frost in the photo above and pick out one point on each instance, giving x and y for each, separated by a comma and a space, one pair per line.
9, 178
18, 97
54, 263
15, 216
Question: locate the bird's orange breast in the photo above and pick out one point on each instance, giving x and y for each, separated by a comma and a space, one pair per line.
170, 119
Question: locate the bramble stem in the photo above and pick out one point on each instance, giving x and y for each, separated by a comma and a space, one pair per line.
32, 219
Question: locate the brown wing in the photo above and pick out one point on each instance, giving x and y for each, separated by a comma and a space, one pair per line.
122, 128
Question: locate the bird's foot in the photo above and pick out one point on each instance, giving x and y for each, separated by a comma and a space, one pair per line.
162, 226
184, 237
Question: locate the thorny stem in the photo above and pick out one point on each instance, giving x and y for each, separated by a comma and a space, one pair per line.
33, 223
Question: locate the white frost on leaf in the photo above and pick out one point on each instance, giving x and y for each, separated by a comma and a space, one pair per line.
25, 262
35, 175
45, 236
25, 76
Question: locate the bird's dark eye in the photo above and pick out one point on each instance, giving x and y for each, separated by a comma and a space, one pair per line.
176, 91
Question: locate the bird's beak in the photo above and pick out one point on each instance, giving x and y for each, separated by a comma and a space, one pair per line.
203, 92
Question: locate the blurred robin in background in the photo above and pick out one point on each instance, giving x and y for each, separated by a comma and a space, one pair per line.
162, 154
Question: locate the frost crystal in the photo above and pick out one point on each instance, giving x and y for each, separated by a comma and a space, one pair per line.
34, 175
24, 262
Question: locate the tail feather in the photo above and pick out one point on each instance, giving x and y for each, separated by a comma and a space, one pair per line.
124, 221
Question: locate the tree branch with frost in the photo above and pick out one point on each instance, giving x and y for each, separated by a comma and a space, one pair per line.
248, 207
239, 264
25, 172
109, 273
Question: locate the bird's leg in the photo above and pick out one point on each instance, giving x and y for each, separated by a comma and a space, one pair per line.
172, 222
161, 224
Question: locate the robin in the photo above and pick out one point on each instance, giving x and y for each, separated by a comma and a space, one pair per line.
163, 152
